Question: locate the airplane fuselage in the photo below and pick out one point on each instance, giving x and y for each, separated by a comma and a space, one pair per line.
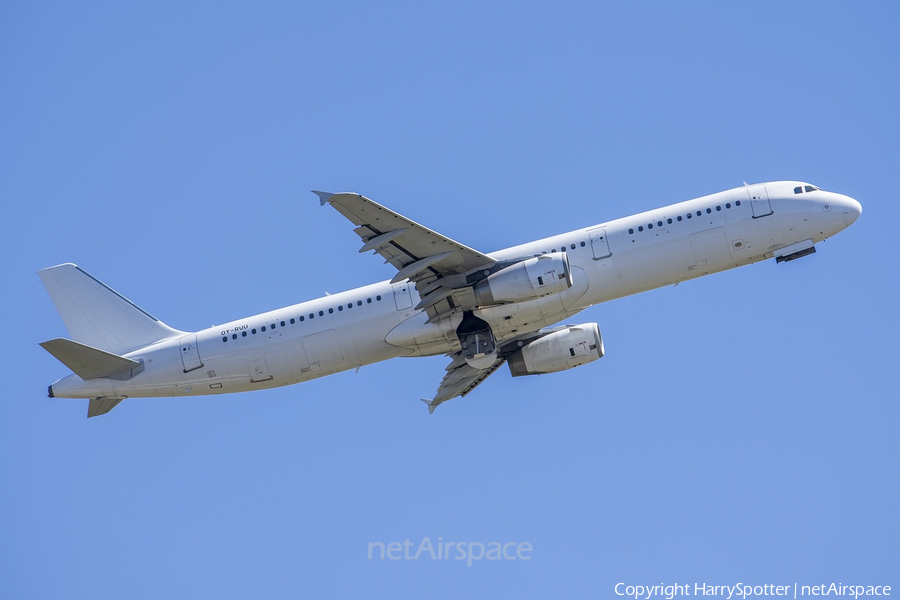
373, 323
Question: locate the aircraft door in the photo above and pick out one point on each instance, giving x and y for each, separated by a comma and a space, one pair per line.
402, 297
190, 354
759, 200
600, 244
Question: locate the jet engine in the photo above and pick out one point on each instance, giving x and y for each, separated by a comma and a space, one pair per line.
573, 346
527, 280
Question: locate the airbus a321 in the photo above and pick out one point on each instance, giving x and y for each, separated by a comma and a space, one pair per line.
480, 309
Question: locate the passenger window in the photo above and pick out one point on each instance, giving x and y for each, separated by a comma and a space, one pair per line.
368, 301
243, 334
659, 223
690, 216
699, 213
649, 225
312, 316
378, 298
718, 208
273, 325
302, 318
573, 246
340, 307
263, 328
631, 230
224, 338
679, 217
737, 203
253, 331
640, 228
728, 205
349, 305
563, 249
282, 323
321, 313
359, 302
234, 336
669, 221
553, 251
292, 320
708, 211
582, 244
330, 311
798, 189
809, 188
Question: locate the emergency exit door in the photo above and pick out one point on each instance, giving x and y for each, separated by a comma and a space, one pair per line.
190, 354
600, 244
759, 200
402, 297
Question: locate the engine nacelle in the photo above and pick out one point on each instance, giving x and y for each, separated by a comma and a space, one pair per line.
527, 280
571, 347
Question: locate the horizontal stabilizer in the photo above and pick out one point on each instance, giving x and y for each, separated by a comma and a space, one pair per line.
87, 362
101, 406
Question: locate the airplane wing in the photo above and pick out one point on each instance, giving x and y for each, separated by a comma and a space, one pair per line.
460, 380
436, 264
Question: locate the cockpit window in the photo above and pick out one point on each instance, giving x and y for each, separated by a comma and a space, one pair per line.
805, 188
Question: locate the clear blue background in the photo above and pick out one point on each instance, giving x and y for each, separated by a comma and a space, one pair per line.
742, 427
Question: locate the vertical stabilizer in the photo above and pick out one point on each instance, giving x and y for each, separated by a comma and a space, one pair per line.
97, 315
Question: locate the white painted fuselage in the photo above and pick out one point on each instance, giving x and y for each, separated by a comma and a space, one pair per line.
374, 323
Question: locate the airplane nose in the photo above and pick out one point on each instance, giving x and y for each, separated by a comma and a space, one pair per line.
852, 210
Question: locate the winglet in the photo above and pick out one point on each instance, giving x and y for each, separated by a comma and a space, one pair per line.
431, 405
323, 197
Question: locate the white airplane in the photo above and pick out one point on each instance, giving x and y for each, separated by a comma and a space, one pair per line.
479, 309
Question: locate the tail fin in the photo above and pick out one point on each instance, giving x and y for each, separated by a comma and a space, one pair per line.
97, 315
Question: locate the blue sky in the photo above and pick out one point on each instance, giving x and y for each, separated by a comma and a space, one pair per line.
742, 428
